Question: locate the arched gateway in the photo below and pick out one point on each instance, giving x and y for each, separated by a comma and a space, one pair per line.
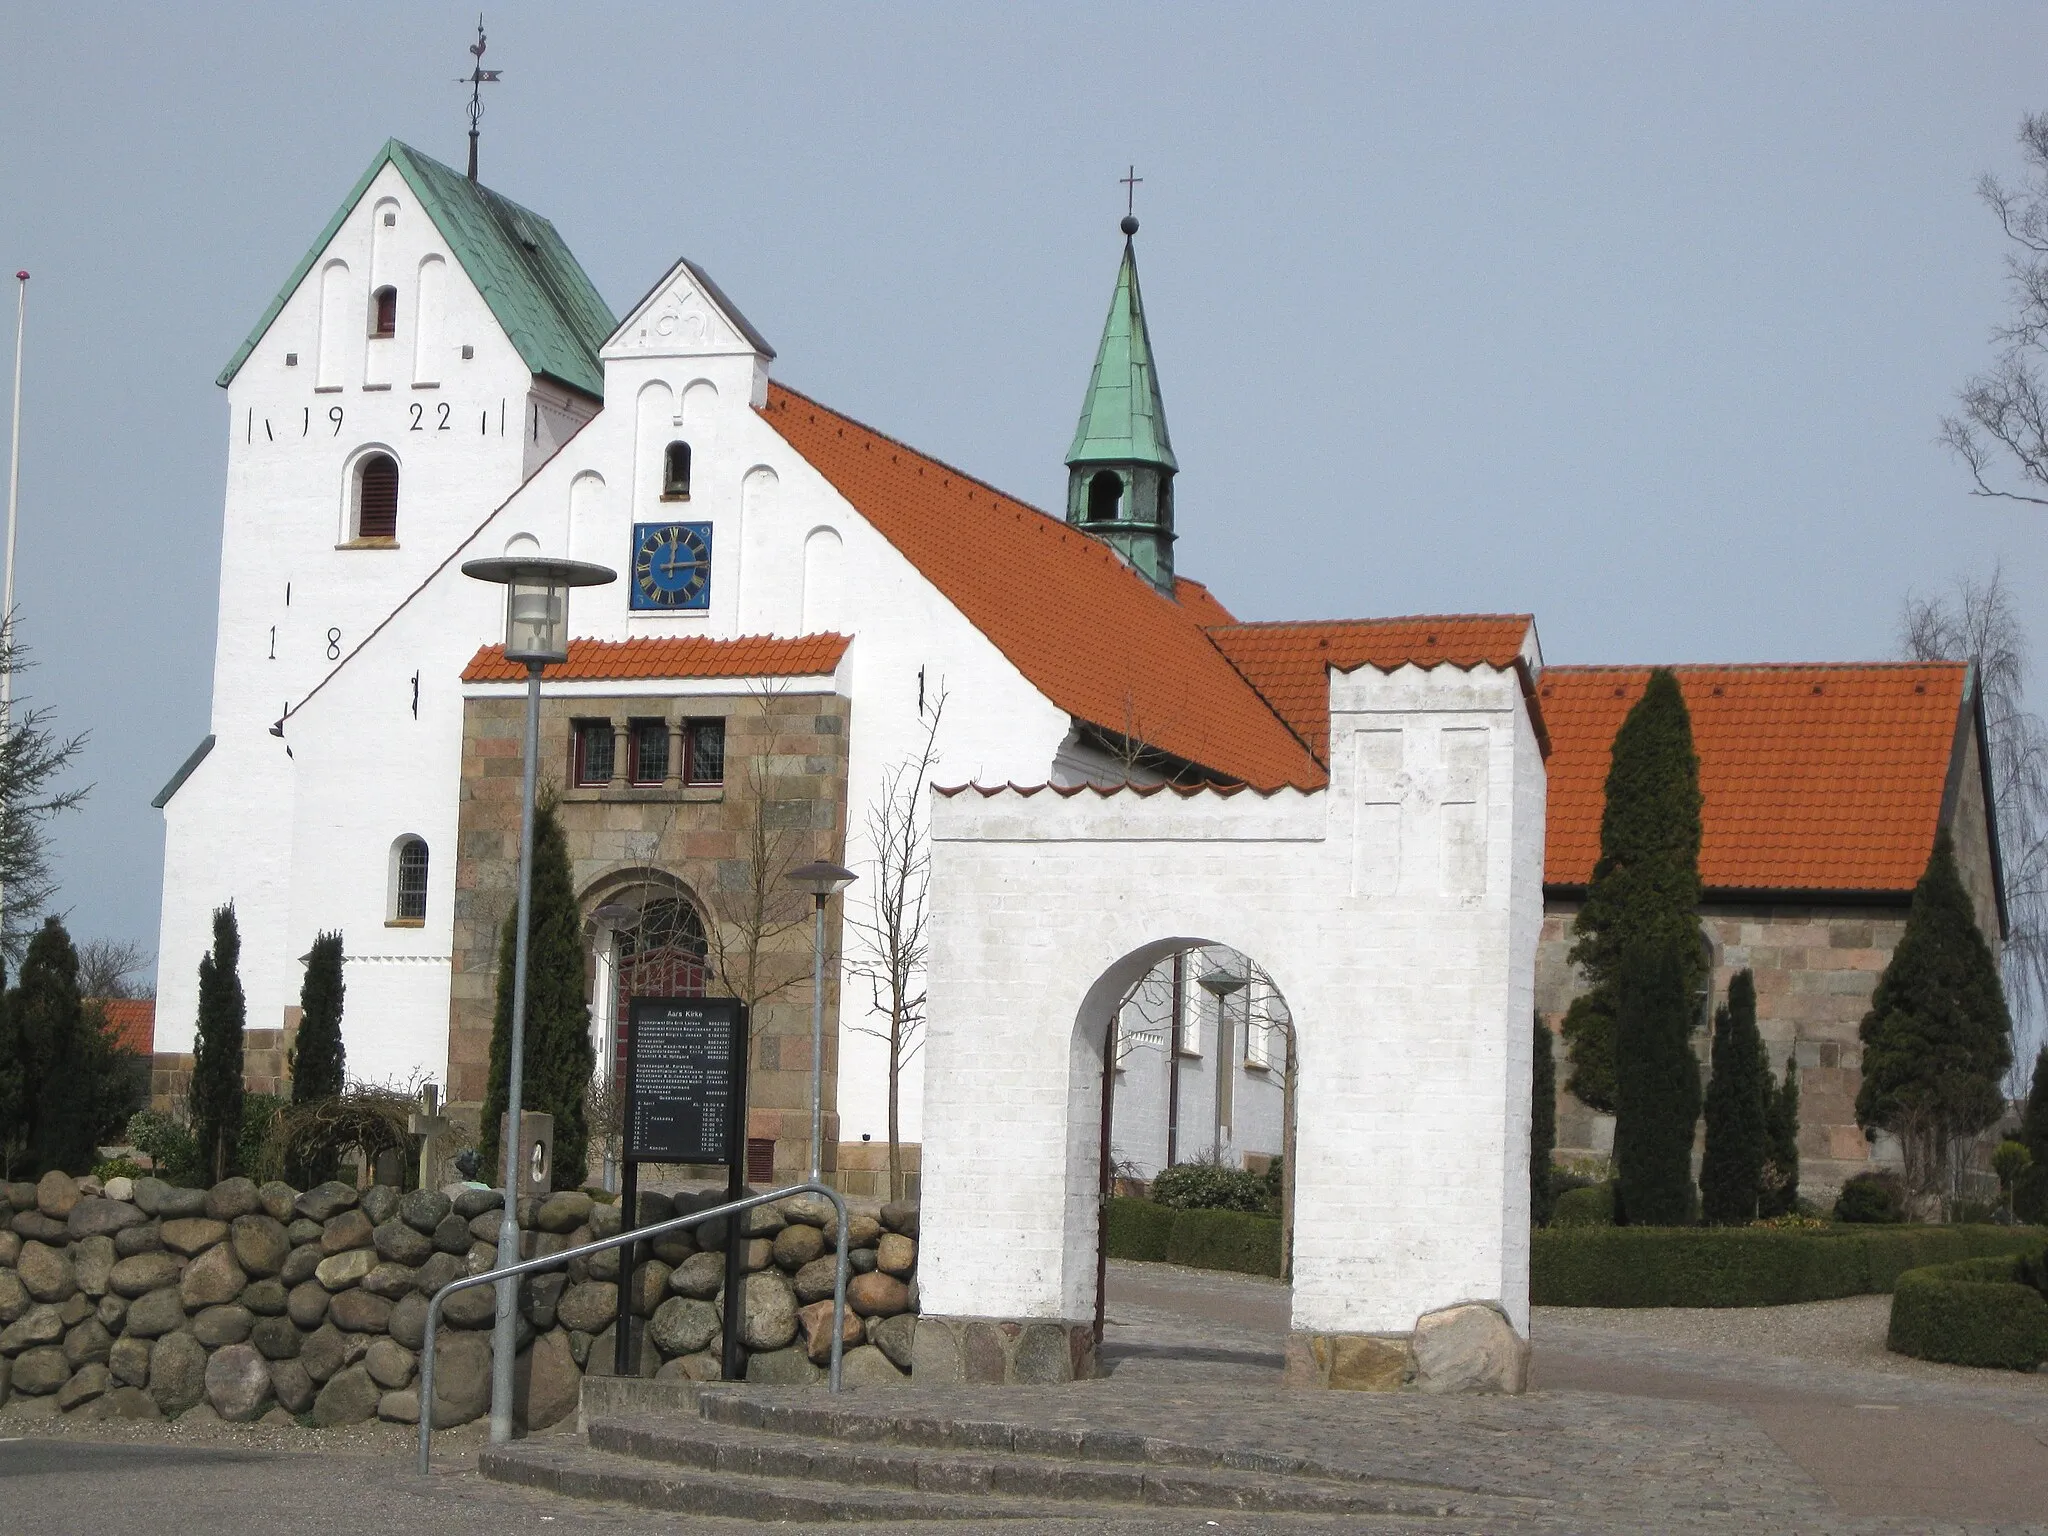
1397, 910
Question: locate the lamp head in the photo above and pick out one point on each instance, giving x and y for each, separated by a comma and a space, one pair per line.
821, 877
537, 600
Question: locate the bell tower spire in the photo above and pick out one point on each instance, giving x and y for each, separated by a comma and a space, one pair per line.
1120, 468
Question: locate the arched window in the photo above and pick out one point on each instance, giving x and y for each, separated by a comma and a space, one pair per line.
661, 952
384, 312
1105, 496
377, 497
675, 473
409, 880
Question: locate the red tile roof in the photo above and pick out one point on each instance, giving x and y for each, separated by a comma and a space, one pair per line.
132, 1022
1087, 631
689, 656
1200, 602
1812, 777
1289, 662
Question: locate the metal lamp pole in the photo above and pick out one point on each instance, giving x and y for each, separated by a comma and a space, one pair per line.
821, 878
536, 633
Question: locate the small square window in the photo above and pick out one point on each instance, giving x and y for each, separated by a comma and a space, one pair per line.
705, 740
649, 752
593, 752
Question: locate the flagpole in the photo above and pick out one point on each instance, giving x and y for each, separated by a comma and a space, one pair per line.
7, 582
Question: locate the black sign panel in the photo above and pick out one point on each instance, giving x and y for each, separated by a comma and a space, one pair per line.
684, 1096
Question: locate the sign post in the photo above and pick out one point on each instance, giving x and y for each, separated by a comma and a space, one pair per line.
686, 1102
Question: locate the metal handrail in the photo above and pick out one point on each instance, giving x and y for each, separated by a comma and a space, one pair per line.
637, 1235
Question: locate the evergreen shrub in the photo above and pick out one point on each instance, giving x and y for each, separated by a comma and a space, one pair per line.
1975, 1312
1138, 1229
1590, 1205
1872, 1198
1209, 1187
1201, 1239
1542, 1124
1744, 1266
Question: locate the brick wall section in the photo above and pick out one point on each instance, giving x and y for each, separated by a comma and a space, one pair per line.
785, 758
266, 1055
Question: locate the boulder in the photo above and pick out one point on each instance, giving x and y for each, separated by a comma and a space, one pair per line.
483, 1227
177, 1373
306, 1305
88, 1344
97, 1217
390, 1281
673, 1247
701, 1367
815, 1323
323, 1202
474, 1200
193, 1235
609, 1220
349, 1397
683, 1326
401, 1244
295, 1390
563, 1211
390, 1364
797, 1245
767, 1311
40, 1324
89, 1184
860, 1261
349, 1230
757, 1253
327, 1349
811, 1210
539, 1299
56, 1194
46, 1272
408, 1322
380, 1203
340, 1271
112, 1313
893, 1337
146, 1238
212, 1278
10, 1244
877, 1295
869, 1367
441, 1268
231, 1198
143, 1273
148, 1191
602, 1265
275, 1338
128, 1402
601, 1354
300, 1264
546, 1382
40, 1371
157, 1313
476, 1307
119, 1187
650, 1285
896, 1255
277, 1200
399, 1407
14, 1297
761, 1221
88, 1384
462, 1378
261, 1246
900, 1218
128, 1359
782, 1368
452, 1235
1471, 1347
92, 1263
18, 1195
75, 1309
817, 1279
43, 1229
266, 1298
701, 1275
424, 1210
302, 1231
358, 1311
225, 1324
238, 1378
589, 1307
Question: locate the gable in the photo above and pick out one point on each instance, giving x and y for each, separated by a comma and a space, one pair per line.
536, 290
685, 315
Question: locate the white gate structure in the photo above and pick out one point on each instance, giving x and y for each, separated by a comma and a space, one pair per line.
1396, 909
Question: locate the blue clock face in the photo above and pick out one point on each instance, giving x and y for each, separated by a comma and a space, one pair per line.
671, 565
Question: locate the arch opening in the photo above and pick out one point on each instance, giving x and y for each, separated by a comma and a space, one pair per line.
646, 938
1105, 496
675, 472
375, 497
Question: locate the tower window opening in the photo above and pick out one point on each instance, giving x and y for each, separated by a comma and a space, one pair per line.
1105, 496
377, 497
593, 753
675, 473
385, 306
409, 889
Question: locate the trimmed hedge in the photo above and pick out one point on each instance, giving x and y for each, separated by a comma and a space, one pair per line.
1743, 1266
1971, 1313
1592, 1206
1233, 1240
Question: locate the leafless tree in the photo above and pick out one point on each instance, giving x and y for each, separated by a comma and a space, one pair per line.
109, 968
1976, 622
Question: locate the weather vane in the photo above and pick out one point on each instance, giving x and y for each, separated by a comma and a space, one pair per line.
477, 78
1131, 181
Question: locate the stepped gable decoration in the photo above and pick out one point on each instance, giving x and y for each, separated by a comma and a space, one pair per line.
1814, 778
685, 656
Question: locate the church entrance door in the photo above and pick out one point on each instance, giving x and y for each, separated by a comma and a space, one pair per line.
662, 955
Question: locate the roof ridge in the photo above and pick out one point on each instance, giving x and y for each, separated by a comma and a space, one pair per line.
1751, 666
1393, 618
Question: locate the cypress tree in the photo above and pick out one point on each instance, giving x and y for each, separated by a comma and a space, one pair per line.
2030, 1189
1937, 1039
1542, 1123
1738, 1100
58, 1051
1645, 886
1781, 1135
1657, 1086
558, 1053
215, 1098
318, 1057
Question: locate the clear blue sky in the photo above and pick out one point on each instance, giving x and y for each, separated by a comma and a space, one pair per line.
1637, 317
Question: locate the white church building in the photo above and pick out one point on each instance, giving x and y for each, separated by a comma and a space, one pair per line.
437, 380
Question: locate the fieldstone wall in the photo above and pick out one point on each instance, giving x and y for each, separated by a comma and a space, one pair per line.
140, 1300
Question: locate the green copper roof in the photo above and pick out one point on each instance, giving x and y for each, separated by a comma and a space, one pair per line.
1123, 419
539, 294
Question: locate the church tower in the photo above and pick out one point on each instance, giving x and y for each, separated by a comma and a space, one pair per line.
1120, 469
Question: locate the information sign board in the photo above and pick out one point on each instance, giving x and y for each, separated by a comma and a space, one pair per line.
685, 1097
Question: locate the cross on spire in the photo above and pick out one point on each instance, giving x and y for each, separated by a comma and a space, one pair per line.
1131, 181
477, 78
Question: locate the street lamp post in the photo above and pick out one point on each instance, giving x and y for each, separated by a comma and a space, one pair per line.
536, 633
821, 878
1220, 984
